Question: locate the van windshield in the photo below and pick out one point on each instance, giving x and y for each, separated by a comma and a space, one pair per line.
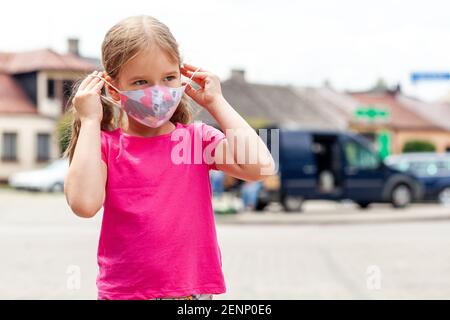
359, 156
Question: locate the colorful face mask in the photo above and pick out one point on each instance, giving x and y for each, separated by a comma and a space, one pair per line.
152, 106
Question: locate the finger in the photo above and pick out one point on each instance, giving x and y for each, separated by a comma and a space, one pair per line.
199, 84
191, 75
191, 92
108, 84
194, 94
191, 67
197, 75
186, 73
93, 82
86, 80
199, 81
90, 78
99, 86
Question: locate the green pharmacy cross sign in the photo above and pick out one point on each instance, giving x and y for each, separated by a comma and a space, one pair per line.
371, 113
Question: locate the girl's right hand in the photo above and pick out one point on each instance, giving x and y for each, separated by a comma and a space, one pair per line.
87, 101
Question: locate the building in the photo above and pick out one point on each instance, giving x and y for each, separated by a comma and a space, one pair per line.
385, 116
34, 90
407, 119
264, 105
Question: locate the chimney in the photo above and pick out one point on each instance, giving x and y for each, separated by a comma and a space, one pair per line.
72, 44
238, 74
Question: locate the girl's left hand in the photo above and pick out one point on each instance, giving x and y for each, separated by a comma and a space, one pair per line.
210, 91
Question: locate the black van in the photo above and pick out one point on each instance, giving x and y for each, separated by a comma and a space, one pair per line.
334, 165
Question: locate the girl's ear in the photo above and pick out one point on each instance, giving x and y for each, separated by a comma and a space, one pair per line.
111, 91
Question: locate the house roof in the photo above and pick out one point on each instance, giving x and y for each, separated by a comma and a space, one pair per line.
336, 106
401, 115
44, 59
263, 104
12, 97
325, 108
438, 113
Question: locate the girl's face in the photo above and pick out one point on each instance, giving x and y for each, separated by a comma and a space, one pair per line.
149, 67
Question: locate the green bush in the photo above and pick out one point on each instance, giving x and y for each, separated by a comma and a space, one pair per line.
419, 146
63, 131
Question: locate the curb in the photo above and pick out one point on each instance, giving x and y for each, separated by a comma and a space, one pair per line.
245, 218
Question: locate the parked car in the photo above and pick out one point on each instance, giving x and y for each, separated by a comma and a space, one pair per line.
432, 169
334, 165
49, 178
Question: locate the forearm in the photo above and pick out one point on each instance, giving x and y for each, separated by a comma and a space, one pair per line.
251, 155
84, 189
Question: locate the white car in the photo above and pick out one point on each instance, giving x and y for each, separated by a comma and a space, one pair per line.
49, 178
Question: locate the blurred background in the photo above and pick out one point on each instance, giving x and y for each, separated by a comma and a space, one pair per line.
353, 98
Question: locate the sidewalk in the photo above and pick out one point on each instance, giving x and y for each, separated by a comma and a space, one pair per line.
324, 212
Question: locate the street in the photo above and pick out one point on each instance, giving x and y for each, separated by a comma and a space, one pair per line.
47, 252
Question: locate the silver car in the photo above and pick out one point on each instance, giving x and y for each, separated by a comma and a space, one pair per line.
50, 178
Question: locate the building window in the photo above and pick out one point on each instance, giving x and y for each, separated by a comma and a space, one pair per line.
9, 149
50, 88
43, 147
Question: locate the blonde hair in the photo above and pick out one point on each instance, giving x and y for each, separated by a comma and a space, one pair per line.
122, 43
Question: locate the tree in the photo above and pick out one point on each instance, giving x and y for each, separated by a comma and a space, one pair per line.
418, 146
64, 131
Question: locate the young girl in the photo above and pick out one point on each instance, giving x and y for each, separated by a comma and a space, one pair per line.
158, 237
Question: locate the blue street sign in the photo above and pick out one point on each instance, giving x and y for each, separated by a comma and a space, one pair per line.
433, 76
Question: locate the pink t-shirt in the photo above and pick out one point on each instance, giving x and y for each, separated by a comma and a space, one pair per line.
158, 235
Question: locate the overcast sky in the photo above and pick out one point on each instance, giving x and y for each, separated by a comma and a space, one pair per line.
349, 42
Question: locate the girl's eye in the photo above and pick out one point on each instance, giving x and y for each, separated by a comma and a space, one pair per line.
140, 82
171, 78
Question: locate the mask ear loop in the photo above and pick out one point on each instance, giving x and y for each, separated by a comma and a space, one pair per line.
190, 79
110, 84
97, 76
116, 103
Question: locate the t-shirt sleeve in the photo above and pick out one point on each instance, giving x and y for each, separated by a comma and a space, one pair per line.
104, 147
211, 138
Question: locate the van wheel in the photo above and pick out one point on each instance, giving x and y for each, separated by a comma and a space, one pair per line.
363, 204
444, 196
262, 201
261, 205
292, 203
401, 196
